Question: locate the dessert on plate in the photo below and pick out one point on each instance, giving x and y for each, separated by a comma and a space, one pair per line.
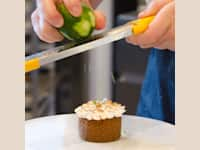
100, 120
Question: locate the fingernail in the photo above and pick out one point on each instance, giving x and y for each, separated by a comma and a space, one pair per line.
141, 14
58, 22
76, 10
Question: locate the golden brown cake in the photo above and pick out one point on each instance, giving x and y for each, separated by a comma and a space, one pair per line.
100, 121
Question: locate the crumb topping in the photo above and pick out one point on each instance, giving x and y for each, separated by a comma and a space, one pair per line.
100, 110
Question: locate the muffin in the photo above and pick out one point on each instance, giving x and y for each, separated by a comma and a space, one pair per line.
100, 120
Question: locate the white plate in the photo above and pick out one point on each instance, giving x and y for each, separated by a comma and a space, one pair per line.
61, 133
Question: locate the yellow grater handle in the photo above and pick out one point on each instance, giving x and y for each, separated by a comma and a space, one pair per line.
32, 64
140, 25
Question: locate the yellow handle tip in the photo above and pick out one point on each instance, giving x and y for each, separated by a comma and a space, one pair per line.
140, 25
32, 64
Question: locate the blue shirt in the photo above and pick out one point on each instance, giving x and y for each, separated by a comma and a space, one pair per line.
157, 99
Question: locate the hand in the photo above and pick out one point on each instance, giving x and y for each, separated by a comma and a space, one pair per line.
46, 18
161, 31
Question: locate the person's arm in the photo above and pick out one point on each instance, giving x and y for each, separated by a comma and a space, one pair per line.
161, 32
46, 18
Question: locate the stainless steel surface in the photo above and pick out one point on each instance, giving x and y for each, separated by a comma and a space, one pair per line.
61, 52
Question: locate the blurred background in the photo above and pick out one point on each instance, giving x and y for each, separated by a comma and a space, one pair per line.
114, 71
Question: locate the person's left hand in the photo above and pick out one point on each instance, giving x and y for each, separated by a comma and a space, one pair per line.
161, 31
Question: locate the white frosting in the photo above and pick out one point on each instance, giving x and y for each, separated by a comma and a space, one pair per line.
100, 110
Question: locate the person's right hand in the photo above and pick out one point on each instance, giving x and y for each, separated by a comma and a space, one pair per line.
161, 31
46, 18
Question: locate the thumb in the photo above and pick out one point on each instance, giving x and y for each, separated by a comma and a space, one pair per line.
153, 8
100, 20
74, 7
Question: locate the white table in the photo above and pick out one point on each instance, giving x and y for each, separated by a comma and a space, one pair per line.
61, 133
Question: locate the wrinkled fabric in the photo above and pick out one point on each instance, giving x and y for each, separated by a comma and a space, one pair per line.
157, 99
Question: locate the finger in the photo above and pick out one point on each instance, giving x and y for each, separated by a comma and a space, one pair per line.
162, 46
95, 3
49, 12
100, 20
74, 7
167, 42
35, 21
164, 43
49, 32
159, 44
148, 38
46, 33
88, 3
131, 40
153, 8
92, 3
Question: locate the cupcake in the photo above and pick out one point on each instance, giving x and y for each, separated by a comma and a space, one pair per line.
100, 120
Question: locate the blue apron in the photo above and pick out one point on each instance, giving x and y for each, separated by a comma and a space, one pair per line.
157, 99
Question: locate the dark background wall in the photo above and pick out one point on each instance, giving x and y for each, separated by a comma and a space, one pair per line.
129, 61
